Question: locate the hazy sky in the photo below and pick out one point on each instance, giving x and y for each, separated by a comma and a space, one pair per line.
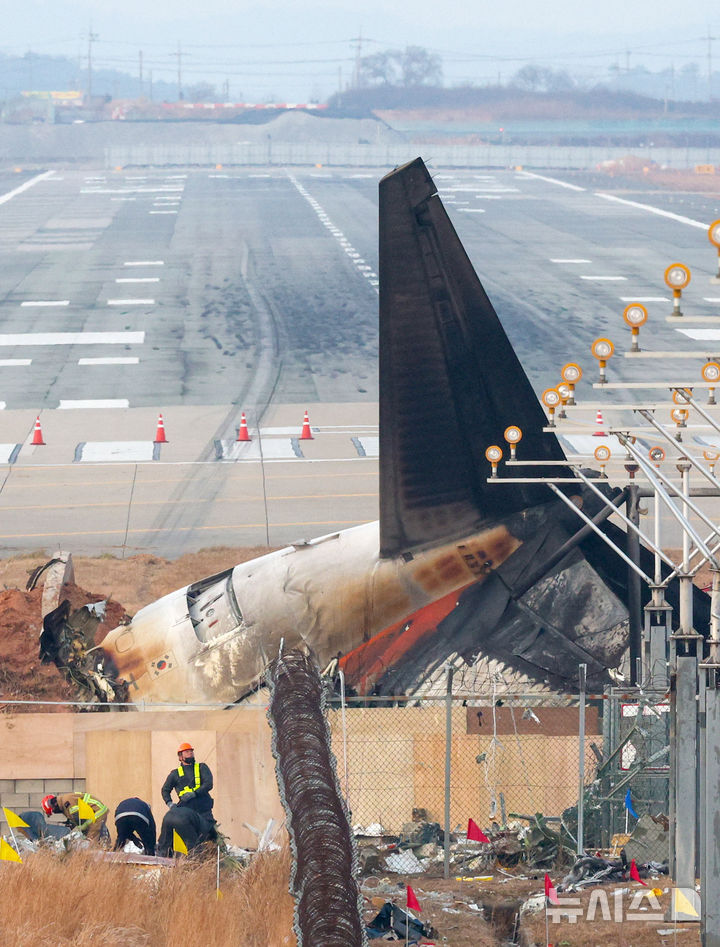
296, 50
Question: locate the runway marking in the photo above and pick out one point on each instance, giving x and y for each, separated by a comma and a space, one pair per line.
99, 403
471, 210
605, 278
653, 210
127, 190
701, 335
338, 234
45, 302
163, 212
644, 299
138, 279
117, 451
711, 299
131, 302
105, 361
11, 362
578, 260
4, 198
541, 177
122, 198
72, 338
144, 263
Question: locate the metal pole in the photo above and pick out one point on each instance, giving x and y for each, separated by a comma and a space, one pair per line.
448, 759
582, 677
686, 582
634, 603
710, 844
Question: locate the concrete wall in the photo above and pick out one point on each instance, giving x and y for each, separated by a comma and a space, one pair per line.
118, 755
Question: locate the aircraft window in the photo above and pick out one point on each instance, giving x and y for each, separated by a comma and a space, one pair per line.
213, 607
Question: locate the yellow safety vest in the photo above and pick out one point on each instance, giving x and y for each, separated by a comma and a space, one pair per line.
100, 811
181, 773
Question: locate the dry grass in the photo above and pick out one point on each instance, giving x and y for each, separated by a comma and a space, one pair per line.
52, 901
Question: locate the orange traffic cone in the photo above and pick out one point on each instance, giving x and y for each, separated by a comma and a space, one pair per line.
306, 432
160, 433
599, 422
243, 434
37, 433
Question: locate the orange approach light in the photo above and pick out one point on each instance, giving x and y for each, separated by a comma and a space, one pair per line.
494, 454
602, 455
571, 374
714, 238
677, 277
551, 399
635, 315
603, 350
711, 374
657, 455
513, 435
680, 395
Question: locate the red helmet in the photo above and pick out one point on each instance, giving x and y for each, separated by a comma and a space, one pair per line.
47, 804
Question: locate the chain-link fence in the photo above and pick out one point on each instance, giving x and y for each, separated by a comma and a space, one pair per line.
508, 760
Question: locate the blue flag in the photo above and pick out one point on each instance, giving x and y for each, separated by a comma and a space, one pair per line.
629, 805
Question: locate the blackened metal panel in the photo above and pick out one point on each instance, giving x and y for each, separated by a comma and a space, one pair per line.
450, 382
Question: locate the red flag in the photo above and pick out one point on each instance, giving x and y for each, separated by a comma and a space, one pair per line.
476, 834
412, 902
550, 891
635, 874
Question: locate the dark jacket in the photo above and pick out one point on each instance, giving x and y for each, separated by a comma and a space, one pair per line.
134, 822
184, 778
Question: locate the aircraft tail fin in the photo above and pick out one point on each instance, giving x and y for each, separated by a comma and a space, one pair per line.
450, 382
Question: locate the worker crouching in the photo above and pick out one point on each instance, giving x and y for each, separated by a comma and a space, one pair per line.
81, 811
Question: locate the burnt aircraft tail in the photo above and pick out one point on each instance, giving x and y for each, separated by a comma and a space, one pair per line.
450, 382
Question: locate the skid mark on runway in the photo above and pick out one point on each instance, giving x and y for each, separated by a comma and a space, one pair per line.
360, 265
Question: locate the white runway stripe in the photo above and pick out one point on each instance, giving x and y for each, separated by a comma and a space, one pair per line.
107, 361
4, 198
131, 302
654, 210
100, 403
45, 302
138, 279
72, 338
13, 362
144, 263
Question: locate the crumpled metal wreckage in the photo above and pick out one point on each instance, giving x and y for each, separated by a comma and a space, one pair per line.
68, 641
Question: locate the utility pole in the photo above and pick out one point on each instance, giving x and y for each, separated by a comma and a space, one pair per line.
358, 56
92, 38
709, 60
179, 71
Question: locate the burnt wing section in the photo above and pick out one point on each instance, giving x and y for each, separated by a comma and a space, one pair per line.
450, 382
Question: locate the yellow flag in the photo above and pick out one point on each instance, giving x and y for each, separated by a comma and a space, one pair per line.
683, 904
178, 845
14, 820
85, 811
8, 853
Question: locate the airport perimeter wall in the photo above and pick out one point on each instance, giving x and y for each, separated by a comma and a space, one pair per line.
391, 760
266, 154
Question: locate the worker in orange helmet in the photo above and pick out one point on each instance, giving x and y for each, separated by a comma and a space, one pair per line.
192, 815
192, 782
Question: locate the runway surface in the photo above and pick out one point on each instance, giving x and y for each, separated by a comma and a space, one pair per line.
201, 294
